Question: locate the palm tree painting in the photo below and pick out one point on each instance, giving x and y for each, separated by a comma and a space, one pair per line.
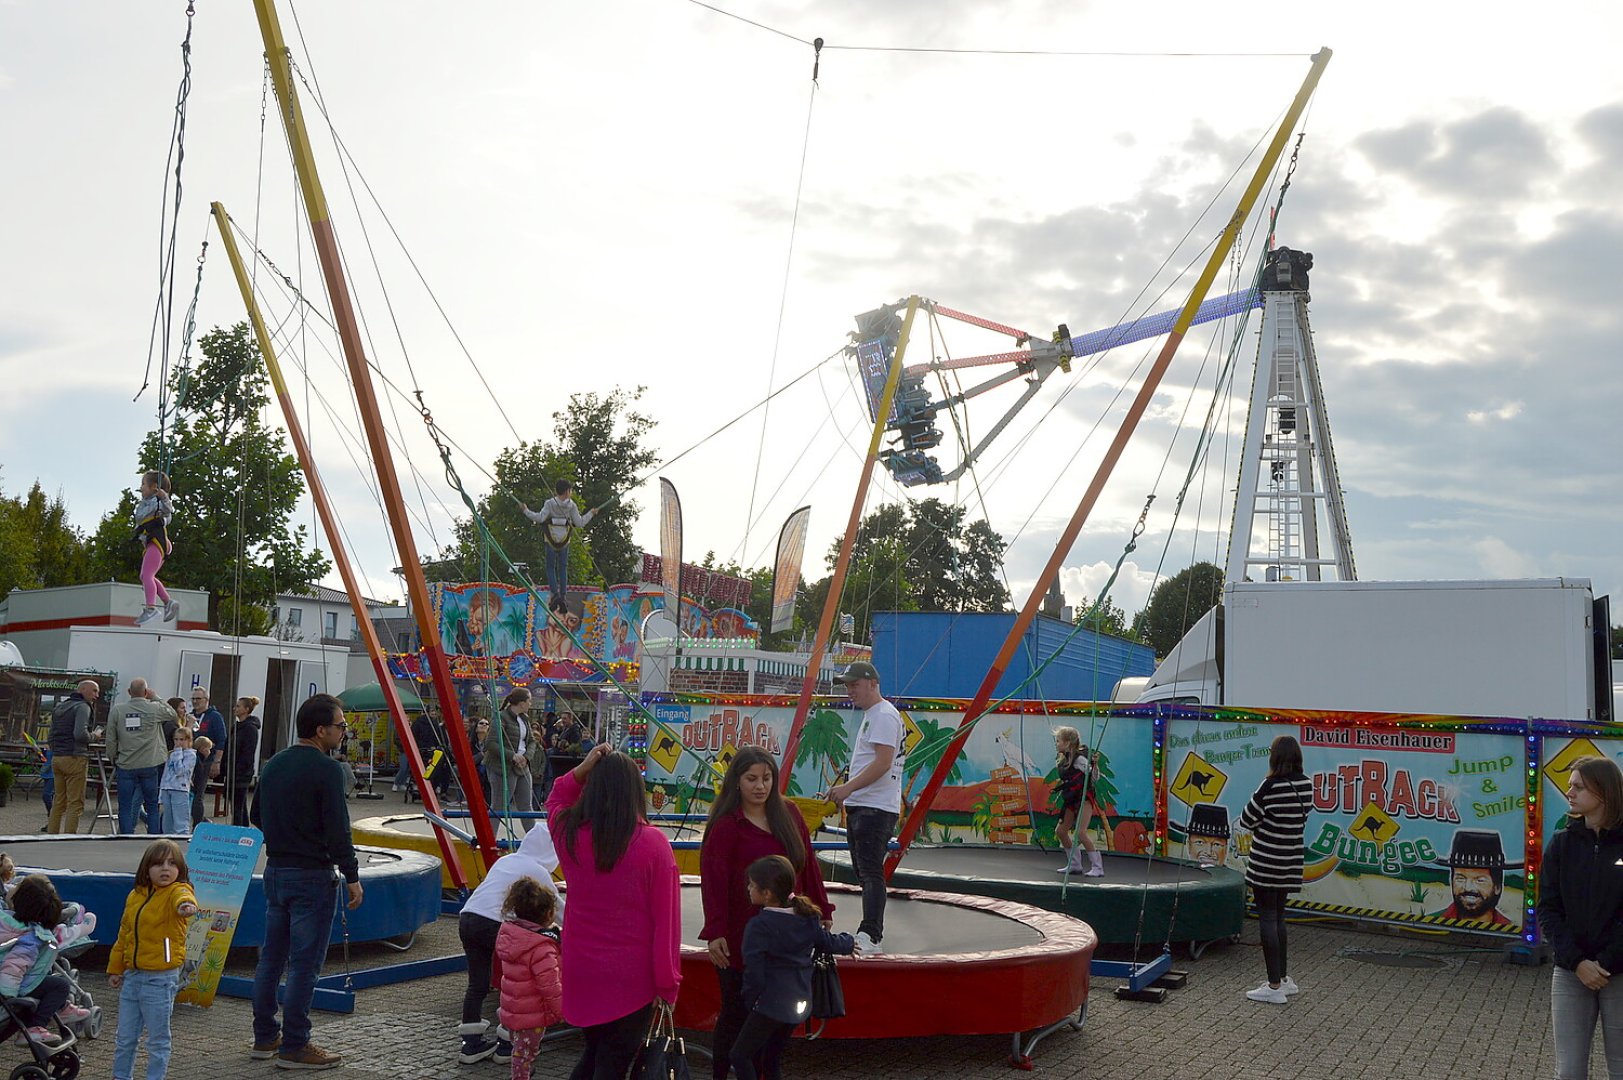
982, 814
927, 755
823, 743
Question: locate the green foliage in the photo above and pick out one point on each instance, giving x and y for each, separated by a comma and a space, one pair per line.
1109, 619
38, 548
1176, 604
924, 556
234, 484
597, 442
982, 814
927, 754
1617, 643
8, 776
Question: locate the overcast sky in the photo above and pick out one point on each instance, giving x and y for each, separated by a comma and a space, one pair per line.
602, 195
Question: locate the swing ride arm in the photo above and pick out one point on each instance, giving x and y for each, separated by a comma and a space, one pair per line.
366, 400
1152, 381
842, 562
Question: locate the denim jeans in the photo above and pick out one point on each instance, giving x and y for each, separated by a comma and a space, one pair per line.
146, 1000
1574, 1008
177, 811
299, 908
867, 834
142, 785
557, 566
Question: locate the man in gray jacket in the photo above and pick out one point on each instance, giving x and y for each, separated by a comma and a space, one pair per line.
135, 747
71, 731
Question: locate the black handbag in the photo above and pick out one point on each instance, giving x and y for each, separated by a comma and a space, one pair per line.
827, 995
664, 1053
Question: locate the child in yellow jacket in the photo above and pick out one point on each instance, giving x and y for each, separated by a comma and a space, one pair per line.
144, 966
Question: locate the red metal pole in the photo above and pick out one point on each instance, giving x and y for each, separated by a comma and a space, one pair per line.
1135, 411
326, 245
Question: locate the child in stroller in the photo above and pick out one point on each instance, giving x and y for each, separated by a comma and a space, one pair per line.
33, 992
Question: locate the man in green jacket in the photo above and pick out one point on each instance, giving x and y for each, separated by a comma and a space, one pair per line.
135, 747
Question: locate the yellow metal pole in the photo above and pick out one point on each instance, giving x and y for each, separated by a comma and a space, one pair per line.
842, 562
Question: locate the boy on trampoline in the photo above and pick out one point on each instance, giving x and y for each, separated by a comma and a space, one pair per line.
1078, 774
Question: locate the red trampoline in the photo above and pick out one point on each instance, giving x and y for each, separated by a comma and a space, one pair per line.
953, 965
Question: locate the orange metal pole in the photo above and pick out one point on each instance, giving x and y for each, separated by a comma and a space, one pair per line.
1152, 381
326, 245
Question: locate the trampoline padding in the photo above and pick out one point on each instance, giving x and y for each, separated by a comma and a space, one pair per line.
1134, 900
401, 889
953, 965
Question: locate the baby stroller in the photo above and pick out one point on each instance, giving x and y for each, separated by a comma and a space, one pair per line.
90, 1026
50, 1062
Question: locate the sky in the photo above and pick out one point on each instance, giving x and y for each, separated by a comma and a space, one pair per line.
605, 195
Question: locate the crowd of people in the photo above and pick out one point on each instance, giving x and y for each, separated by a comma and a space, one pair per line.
766, 910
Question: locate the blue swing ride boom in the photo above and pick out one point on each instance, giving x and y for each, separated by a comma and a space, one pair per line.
913, 413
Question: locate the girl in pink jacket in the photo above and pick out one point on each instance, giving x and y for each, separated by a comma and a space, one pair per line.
532, 992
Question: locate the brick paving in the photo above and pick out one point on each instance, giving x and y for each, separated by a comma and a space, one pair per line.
1469, 1015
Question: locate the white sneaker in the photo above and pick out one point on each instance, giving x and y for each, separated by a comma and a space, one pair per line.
867, 946
1268, 994
1288, 985
146, 616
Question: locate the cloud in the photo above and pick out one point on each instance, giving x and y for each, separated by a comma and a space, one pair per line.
1496, 153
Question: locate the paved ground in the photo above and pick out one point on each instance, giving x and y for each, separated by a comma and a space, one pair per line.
1465, 1014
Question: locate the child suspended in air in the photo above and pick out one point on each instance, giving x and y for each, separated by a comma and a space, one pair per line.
558, 517
152, 516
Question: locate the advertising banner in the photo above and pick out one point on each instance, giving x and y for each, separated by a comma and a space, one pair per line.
786, 569
1407, 825
221, 859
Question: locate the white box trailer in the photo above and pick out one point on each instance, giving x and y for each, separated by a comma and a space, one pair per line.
1519, 648
282, 674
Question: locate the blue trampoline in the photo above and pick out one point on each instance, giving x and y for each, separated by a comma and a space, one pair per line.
402, 888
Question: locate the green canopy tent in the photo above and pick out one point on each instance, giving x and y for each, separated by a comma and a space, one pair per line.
369, 698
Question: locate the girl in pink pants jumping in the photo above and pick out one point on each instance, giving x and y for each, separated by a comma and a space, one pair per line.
152, 516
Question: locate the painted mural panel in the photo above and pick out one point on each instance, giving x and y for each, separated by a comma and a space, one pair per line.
998, 789
1419, 826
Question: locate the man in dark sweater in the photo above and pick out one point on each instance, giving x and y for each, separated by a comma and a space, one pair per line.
300, 808
72, 729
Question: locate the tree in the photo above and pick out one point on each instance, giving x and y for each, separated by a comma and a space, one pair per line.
38, 548
235, 487
1109, 619
597, 443
924, 556
1176, 604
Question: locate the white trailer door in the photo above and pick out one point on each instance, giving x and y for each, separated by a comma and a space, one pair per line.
312, 681
196, 668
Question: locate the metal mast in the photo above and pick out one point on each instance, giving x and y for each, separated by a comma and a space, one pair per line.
1289, 494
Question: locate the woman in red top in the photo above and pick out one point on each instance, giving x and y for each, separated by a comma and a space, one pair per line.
622, 934
749, 820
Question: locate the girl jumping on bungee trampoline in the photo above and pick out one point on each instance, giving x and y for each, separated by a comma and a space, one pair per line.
1078, 774
152, 516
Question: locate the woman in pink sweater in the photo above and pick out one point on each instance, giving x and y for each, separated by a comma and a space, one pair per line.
623, 923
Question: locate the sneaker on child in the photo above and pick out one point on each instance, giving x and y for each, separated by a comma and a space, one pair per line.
72, 1014
171, 611
146, 616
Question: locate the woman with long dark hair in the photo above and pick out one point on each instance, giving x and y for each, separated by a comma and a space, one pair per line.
623, 924
749, 820
1277, 816
1580, 910
508, 753
242, 757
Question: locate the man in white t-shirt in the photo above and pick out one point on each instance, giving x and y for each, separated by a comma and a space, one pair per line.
872, 797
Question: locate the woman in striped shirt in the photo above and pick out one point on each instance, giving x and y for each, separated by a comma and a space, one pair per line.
1276, 816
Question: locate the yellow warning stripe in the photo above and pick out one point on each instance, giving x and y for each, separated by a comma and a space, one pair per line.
1477, 925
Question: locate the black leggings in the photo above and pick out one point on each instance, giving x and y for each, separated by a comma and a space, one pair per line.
1271, 919
761, 1035
478, 936
611, 1047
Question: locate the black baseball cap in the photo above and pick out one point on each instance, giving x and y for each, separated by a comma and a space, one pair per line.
859, 670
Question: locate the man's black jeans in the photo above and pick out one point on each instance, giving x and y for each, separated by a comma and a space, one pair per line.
867, 834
